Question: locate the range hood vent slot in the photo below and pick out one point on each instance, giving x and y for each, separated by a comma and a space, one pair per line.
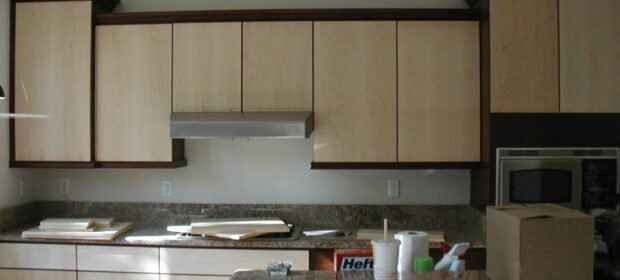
241, 125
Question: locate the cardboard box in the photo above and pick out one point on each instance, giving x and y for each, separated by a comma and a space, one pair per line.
539, 241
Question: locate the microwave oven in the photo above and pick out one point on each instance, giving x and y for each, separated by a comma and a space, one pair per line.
578, 178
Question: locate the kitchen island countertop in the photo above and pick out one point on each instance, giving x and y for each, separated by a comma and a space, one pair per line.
359, 275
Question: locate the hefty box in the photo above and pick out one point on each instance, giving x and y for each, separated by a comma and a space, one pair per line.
539, 241
355, 259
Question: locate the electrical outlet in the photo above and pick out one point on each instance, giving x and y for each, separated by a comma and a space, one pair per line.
393, 188
166, 188
65, 186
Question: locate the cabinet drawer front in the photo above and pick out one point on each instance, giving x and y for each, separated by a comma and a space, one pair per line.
226, 261
191, 277
116, 276
22, 274
37, 256
119, 259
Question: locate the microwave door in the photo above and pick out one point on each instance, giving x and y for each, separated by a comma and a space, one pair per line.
540, 181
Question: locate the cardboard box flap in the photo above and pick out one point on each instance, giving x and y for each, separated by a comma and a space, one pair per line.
539, 211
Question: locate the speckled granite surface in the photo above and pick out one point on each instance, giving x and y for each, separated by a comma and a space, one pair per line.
13, 217
359, 275
459, 223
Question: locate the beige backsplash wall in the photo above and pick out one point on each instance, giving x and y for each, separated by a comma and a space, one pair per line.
239, 171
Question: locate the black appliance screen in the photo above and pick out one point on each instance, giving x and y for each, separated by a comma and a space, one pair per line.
541, 186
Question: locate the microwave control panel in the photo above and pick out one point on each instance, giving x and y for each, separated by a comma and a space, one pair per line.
600, 183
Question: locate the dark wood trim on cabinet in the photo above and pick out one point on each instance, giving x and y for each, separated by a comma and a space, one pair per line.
12, 85
141, 164
51, 164
287, 15
394, 165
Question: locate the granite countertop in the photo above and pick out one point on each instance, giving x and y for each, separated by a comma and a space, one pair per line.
156, 235
359, 275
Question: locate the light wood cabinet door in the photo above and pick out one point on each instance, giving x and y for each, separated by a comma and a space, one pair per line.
355, 91
438, 91
277, 66
52, 77
133, 93
118, 259
207, 67
116, 276
590, 56
219, 262
524, 56
37, 256
22, 274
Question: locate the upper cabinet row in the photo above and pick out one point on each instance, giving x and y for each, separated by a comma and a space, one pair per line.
376, 98
276, 59
555, 56
381, 91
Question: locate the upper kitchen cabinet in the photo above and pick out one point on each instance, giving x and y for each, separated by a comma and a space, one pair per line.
524, 56
355, 91
438, 91
590, 56
207, 67
133, 97
277, 66
52, 76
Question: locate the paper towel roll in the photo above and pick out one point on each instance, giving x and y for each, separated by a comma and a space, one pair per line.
412, 244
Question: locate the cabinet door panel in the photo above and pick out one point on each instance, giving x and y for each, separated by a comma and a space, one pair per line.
277, 66
590, 56
207, 67
438, 92
524, 56
226, 261
134, 76
116, 276
37, 256
22, 274
118, 259
355, 91
191, 277
52, 77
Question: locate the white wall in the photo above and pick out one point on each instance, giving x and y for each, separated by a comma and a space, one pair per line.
261, 171
9, 179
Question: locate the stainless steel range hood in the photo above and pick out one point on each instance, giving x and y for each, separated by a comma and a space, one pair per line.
241, 125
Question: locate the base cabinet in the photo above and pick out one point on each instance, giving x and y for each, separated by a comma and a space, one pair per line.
23, 274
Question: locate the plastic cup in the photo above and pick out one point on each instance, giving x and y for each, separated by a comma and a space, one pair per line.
385, 258
423, 264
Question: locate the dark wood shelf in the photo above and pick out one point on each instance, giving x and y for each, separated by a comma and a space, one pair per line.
287, 15
141, 164
51, 164
395, 165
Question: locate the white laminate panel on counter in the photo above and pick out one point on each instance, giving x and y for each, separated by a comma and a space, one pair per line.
23, 274
226, 261
37, 256
116, 276
118, 259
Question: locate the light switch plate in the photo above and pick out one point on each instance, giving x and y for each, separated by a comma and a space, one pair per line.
393, 188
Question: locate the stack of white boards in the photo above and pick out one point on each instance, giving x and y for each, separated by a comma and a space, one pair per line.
78, 228
233, 228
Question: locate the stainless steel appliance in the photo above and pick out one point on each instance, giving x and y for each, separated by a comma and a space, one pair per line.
578, 178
